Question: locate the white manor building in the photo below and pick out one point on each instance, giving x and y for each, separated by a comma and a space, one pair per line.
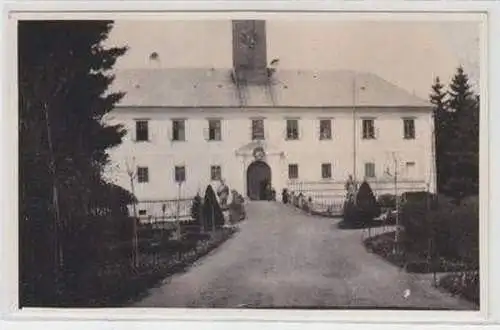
302, 130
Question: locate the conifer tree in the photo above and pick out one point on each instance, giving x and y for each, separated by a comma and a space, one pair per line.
462, 139
441, 130
63, 80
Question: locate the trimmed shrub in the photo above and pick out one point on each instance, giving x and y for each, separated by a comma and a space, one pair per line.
418, 196
196, 208
212, 211
350, 211
236, 207
387, 201
366, 203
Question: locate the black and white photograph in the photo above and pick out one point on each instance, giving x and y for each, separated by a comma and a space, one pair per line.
324, 163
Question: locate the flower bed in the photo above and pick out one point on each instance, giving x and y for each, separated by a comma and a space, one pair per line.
465, 285
383, 245
115, 285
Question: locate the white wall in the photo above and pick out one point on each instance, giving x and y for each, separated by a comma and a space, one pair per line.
161, 154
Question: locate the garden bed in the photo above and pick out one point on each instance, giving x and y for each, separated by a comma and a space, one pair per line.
118, 285
383, 245
465, 285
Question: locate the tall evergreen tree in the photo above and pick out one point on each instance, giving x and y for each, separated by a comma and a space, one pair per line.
63, 78
441, 130
462, 147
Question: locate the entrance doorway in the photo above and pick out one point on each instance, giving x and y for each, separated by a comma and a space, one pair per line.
258, 177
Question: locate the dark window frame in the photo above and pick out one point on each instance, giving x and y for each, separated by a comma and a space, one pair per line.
326, 171
368, 127
142, 133
180, 173
293, 171
176, 130
258, 132
142, 174
370, 170
329, 133
292, 133
214, 129
215, 172
409, 128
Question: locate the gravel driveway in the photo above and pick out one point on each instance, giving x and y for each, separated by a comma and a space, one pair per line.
284, 258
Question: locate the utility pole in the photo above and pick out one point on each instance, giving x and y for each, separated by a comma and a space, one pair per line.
397, 238
354, 135
398, 232
178, 229
131, 173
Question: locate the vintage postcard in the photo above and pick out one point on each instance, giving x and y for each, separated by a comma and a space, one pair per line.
270, 162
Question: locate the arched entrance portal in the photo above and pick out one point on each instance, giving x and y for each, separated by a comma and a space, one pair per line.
258, 176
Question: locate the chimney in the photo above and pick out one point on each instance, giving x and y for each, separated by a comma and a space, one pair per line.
250, 51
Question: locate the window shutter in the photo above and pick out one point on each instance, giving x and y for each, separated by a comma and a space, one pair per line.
150, 132
133, 133
168, 131
221, 129
206, 133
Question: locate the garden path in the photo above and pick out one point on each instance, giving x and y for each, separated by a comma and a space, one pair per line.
283, 257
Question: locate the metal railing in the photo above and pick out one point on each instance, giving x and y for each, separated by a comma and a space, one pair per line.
159, 213
327, 197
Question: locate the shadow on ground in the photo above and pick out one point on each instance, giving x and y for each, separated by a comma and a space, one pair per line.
360, 225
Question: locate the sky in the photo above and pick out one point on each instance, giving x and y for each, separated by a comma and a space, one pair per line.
409, 54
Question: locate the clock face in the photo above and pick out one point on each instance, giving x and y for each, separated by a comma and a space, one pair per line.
248, 39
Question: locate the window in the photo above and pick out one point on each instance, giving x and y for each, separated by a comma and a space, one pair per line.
293, 171
325, 129
257, 129
141, 130
142, 174
292, 129
409, 128
368, 129
178, 130
326, 171
180, 174
369, 170
214, 130
215, 173
142, 212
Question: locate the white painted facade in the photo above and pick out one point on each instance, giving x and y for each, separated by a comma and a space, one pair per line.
255, 89
234, 154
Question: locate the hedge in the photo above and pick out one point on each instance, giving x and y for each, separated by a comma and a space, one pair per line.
442, 229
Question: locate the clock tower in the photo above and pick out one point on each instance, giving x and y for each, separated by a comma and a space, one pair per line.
249, 51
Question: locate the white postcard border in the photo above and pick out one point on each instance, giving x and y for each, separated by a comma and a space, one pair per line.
489, 230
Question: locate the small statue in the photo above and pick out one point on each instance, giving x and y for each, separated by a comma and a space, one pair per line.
223, 193
350, 187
